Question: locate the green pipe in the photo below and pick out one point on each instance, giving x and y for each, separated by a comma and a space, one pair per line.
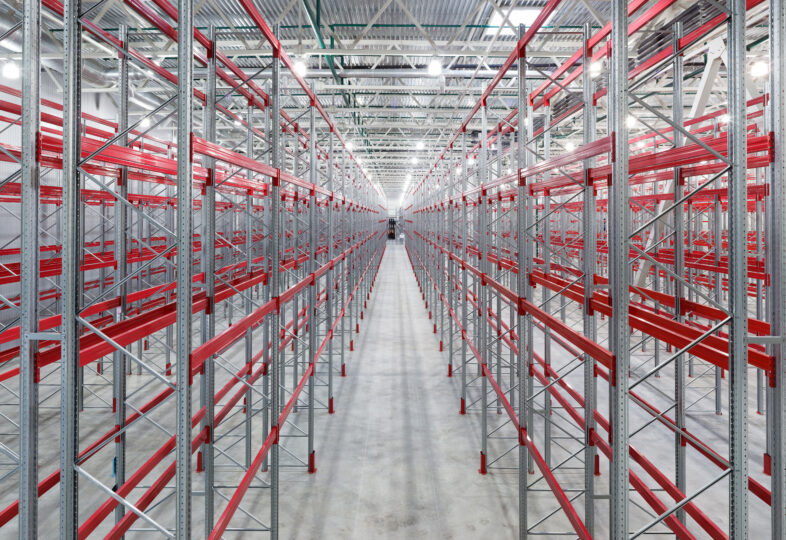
334, 25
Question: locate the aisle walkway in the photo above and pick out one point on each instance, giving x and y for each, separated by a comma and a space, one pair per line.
397, 460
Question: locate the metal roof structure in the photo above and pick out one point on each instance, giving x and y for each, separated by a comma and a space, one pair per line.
197, 197
372, 57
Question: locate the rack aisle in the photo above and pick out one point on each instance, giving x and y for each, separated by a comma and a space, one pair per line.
195, 201
396, 457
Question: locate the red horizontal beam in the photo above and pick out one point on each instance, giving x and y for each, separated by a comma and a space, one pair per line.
273, 436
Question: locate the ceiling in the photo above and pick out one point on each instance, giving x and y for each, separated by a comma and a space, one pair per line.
367, 60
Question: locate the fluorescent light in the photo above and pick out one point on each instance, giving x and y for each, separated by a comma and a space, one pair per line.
434, 68
300, 67
350, 146
517, 16
631, 122
145, 123
570, 147
10, 70
760, 69
414, 161
471, 161
595, 69
419, 145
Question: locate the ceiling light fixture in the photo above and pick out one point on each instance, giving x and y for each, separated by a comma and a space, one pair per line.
145, 123
760, 69
414, 161
434, 68
10, 70
570, 147
631, 122
419, 145
301, 68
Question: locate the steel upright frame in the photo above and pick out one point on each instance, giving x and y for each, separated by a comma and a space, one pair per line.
776, 228
28, 295
625, 260
599, 229
270, 287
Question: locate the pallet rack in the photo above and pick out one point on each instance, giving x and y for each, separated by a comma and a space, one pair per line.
593, 274
198, 294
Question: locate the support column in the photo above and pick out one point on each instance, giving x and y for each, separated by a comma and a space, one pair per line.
717, 232
342, 284
72, 292
464, 288
776, 240
527, 159
680, 455
546, 293
450, 245
267, 243
619, 271
330, 289
349, 263
209, 269
28, 320
248, 224
121, 256
313, 319
275, 231
738, 278
524, 250
498, 239
483, 346
185, 39
590, 330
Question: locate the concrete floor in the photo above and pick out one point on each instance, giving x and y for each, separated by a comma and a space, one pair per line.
396, 460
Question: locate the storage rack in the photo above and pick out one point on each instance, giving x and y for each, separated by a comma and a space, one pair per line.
627, 264
198, 293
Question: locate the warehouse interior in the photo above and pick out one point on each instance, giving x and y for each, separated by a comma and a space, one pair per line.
392, 269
